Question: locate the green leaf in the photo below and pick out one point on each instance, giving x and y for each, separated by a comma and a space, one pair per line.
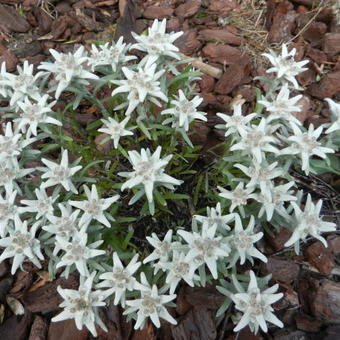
173, 196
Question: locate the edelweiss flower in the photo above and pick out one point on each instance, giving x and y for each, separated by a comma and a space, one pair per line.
77, 252
205, 247
215, 218
261, 175
12, 143
82, 305
306, 144
236, 122
275, 202
309, 222
335, 110
256, 141
120, 279
113, 55
243, 241
59, 173
163, 249
180, 268
115, 129
23, 85
42, 206
157, 43
140, 86
8, 209
256, 306
10, 171
285, 66
94, 207
151, 304
34, 114
21, 244
283, 107
149, 172
184, 111
238, 196
64, 226
67, 67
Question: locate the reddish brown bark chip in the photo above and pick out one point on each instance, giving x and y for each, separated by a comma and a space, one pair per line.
327, 87
39, 329
305, 106
222, 54
9, 58
283, 23
315, 32
306, 323
46, 298
198, 323
188, 43
316, 55
222, 7
233, 76
188, 9
207, 83
16, 327
325, 301
157, 12
331, 43
66, 330
279, 238
11, 21
320, 257
220, 36
281, 269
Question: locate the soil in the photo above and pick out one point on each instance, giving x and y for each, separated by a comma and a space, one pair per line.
228, 35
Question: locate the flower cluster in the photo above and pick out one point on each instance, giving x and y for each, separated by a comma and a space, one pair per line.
58, 194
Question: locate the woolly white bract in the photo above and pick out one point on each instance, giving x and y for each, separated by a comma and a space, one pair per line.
256, 306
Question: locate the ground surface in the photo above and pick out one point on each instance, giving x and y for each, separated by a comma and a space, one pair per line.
229, 35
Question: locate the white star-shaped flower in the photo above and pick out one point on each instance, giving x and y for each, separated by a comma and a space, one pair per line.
256, 141
235, 123
261, 175
256, 305
20, 244
59, 173
306, 144
82, 305
150, 305
64, 226
335, 111
157, 43
94, 206
77, 252
184, 111
243, 241
12, 143
238, 196
148, 172
215, 218
32, 114
309, 222
141, 85
115, 129
42, 206
283, 107
206, 248
113, 54
67, 67
285, 66
120, 279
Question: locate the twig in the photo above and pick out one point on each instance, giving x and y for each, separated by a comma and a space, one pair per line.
205, 68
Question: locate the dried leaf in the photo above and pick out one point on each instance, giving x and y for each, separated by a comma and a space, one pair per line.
15, 305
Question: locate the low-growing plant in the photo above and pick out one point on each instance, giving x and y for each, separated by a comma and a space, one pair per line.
126, 200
